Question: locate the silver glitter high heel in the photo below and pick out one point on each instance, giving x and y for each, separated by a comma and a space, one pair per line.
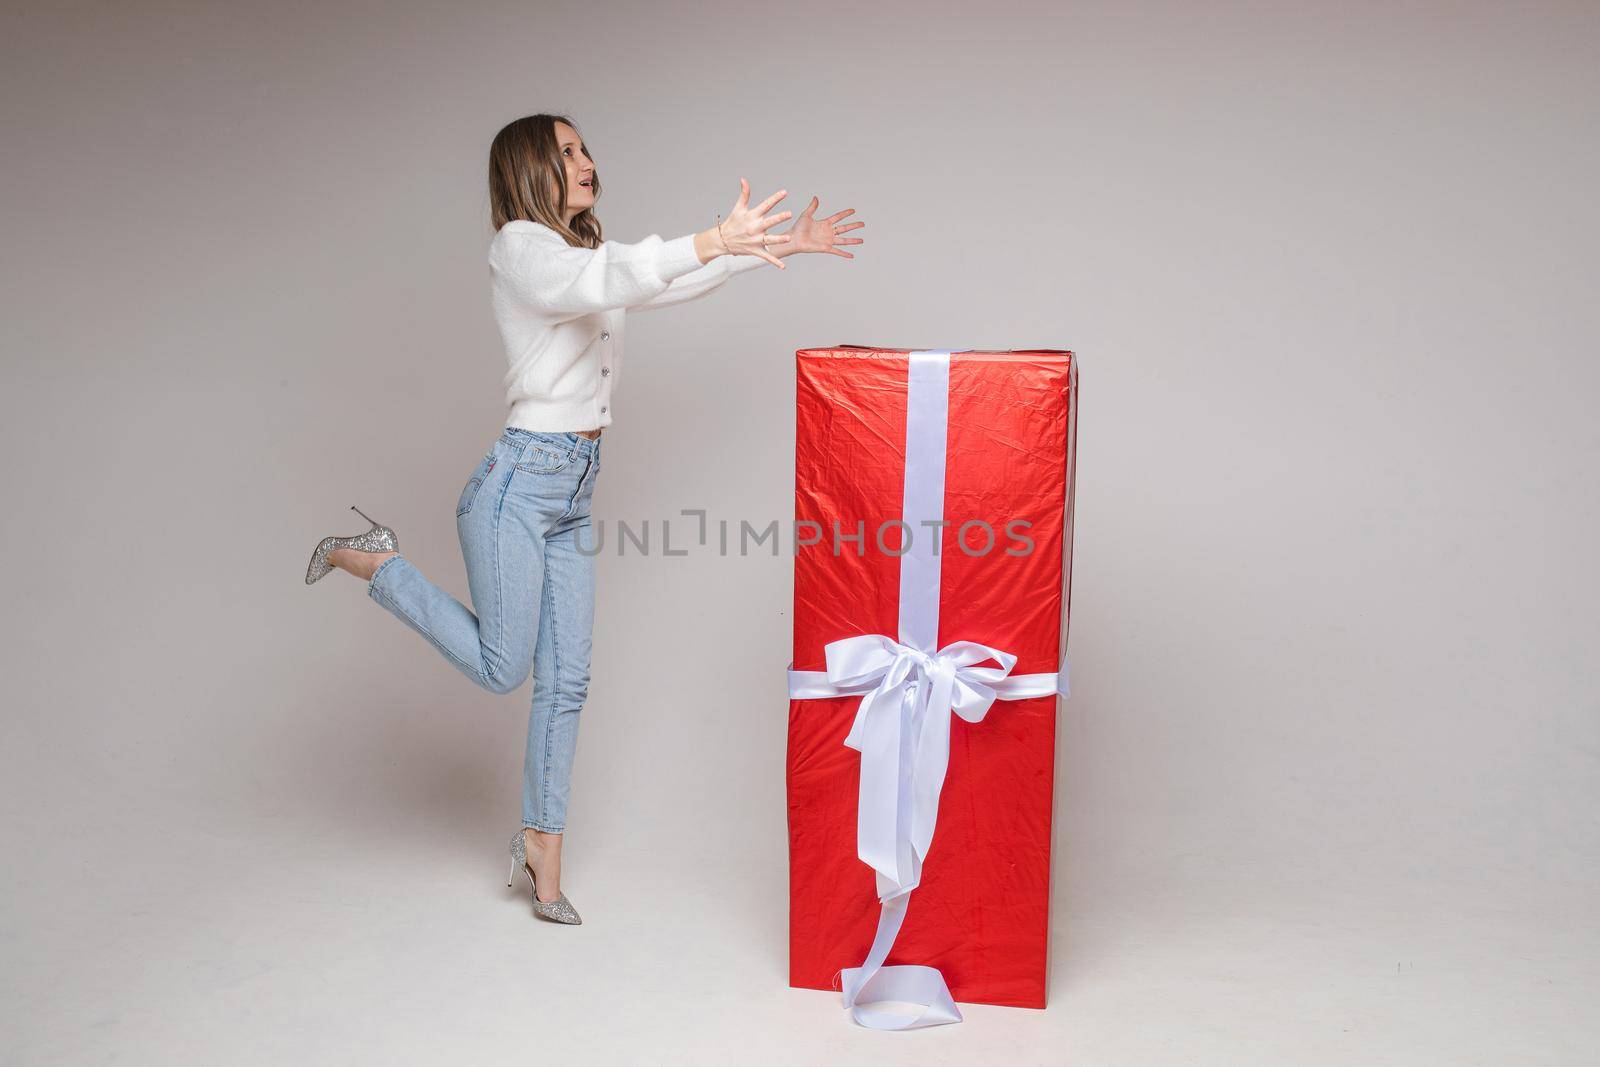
559, 910
377, 539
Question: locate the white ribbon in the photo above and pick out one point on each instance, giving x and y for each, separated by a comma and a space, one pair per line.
902, 726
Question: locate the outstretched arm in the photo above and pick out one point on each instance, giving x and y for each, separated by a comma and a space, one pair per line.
540, 270
808, 234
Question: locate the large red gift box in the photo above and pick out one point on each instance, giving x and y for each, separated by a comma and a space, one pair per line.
980, 914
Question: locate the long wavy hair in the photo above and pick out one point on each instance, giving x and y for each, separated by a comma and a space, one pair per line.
528, 180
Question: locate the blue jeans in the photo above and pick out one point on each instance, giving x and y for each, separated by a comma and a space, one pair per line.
523, 517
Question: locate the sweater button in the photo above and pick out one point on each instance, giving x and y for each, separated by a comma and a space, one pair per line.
605, 372
605, 335
602, 409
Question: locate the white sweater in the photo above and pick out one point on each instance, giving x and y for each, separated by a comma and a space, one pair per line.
561, 313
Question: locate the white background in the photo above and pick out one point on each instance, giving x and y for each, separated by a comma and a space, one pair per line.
1326, 786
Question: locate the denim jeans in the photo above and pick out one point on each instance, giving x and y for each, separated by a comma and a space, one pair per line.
523, 518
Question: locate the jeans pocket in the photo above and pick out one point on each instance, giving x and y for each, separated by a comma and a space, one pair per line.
469, 492
540, 458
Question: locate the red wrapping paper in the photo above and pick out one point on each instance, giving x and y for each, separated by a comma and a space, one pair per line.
981, 912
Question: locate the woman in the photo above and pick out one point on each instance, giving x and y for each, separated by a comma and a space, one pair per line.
560, 295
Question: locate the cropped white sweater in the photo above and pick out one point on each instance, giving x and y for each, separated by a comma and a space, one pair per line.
561, 312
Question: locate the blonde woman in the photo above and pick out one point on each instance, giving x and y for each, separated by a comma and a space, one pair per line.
560, 296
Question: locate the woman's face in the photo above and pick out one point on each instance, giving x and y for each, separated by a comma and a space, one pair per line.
580, 170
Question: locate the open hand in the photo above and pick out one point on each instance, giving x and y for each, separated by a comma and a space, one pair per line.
811, 234
744, 231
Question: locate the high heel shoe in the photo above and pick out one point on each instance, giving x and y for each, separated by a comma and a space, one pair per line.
377, 539
559, 910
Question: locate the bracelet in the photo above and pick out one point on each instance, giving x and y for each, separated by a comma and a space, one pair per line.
725, 249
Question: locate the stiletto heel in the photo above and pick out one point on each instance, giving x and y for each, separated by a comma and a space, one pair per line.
378, 539
559, 910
